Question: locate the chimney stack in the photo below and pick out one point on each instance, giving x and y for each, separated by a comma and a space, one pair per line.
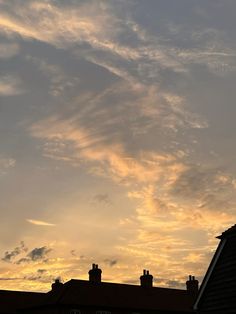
146, 279
192, 285
95, 274
57, 285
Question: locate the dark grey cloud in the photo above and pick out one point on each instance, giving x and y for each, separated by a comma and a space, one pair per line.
111, 262
102, 199
10, 255
37, 254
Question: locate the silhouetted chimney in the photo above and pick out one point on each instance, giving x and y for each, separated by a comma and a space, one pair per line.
192, 285
57, 285
146, 279
95, 274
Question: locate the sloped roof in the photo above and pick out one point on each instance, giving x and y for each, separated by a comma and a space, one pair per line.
113, 295
11, 301
229, 232
217, 292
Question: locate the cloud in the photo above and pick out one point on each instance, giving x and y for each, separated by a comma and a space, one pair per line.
23, 260
60, 82
58, 24
40, 223
10, 256
175, 284
10, 86
102, 199
111, 262
41, 271
36, 255
73, 252
101, 134
209, 188
135, 126
8, 50
39, 253
6, 163
68, 26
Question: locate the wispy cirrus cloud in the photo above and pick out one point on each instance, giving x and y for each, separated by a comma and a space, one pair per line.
40, 223
70, 26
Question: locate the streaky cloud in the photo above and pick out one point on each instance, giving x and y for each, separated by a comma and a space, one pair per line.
40, 223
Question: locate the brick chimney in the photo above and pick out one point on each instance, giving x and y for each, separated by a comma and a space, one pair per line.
95, 274
57, 285
192, 285
146, 279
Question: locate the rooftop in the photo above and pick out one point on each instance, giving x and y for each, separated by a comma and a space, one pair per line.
228, 233
113, 295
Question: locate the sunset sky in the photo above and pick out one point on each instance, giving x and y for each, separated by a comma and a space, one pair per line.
117, 133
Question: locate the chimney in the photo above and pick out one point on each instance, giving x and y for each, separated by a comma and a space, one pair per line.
57, 285
95, 274
192, 285
146, 279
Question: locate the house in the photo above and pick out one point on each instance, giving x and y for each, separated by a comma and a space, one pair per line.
96, 297
12, 301
218, 290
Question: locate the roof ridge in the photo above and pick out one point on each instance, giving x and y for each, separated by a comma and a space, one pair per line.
19, 291
122, 284
228, 232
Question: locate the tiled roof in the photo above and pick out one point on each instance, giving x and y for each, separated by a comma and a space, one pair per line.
11, 301
112, 295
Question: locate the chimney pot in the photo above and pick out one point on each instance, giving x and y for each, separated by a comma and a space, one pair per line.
192, 285
57, 284
146, 280
95, 274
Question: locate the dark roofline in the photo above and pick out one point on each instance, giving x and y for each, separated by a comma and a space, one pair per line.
48, 302
124, 284
210, 270
228, 233
19, 291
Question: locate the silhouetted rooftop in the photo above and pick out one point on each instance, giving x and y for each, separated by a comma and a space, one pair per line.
11, 301
123, 296
229, 232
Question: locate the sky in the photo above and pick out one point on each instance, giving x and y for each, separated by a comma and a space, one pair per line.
117, 138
